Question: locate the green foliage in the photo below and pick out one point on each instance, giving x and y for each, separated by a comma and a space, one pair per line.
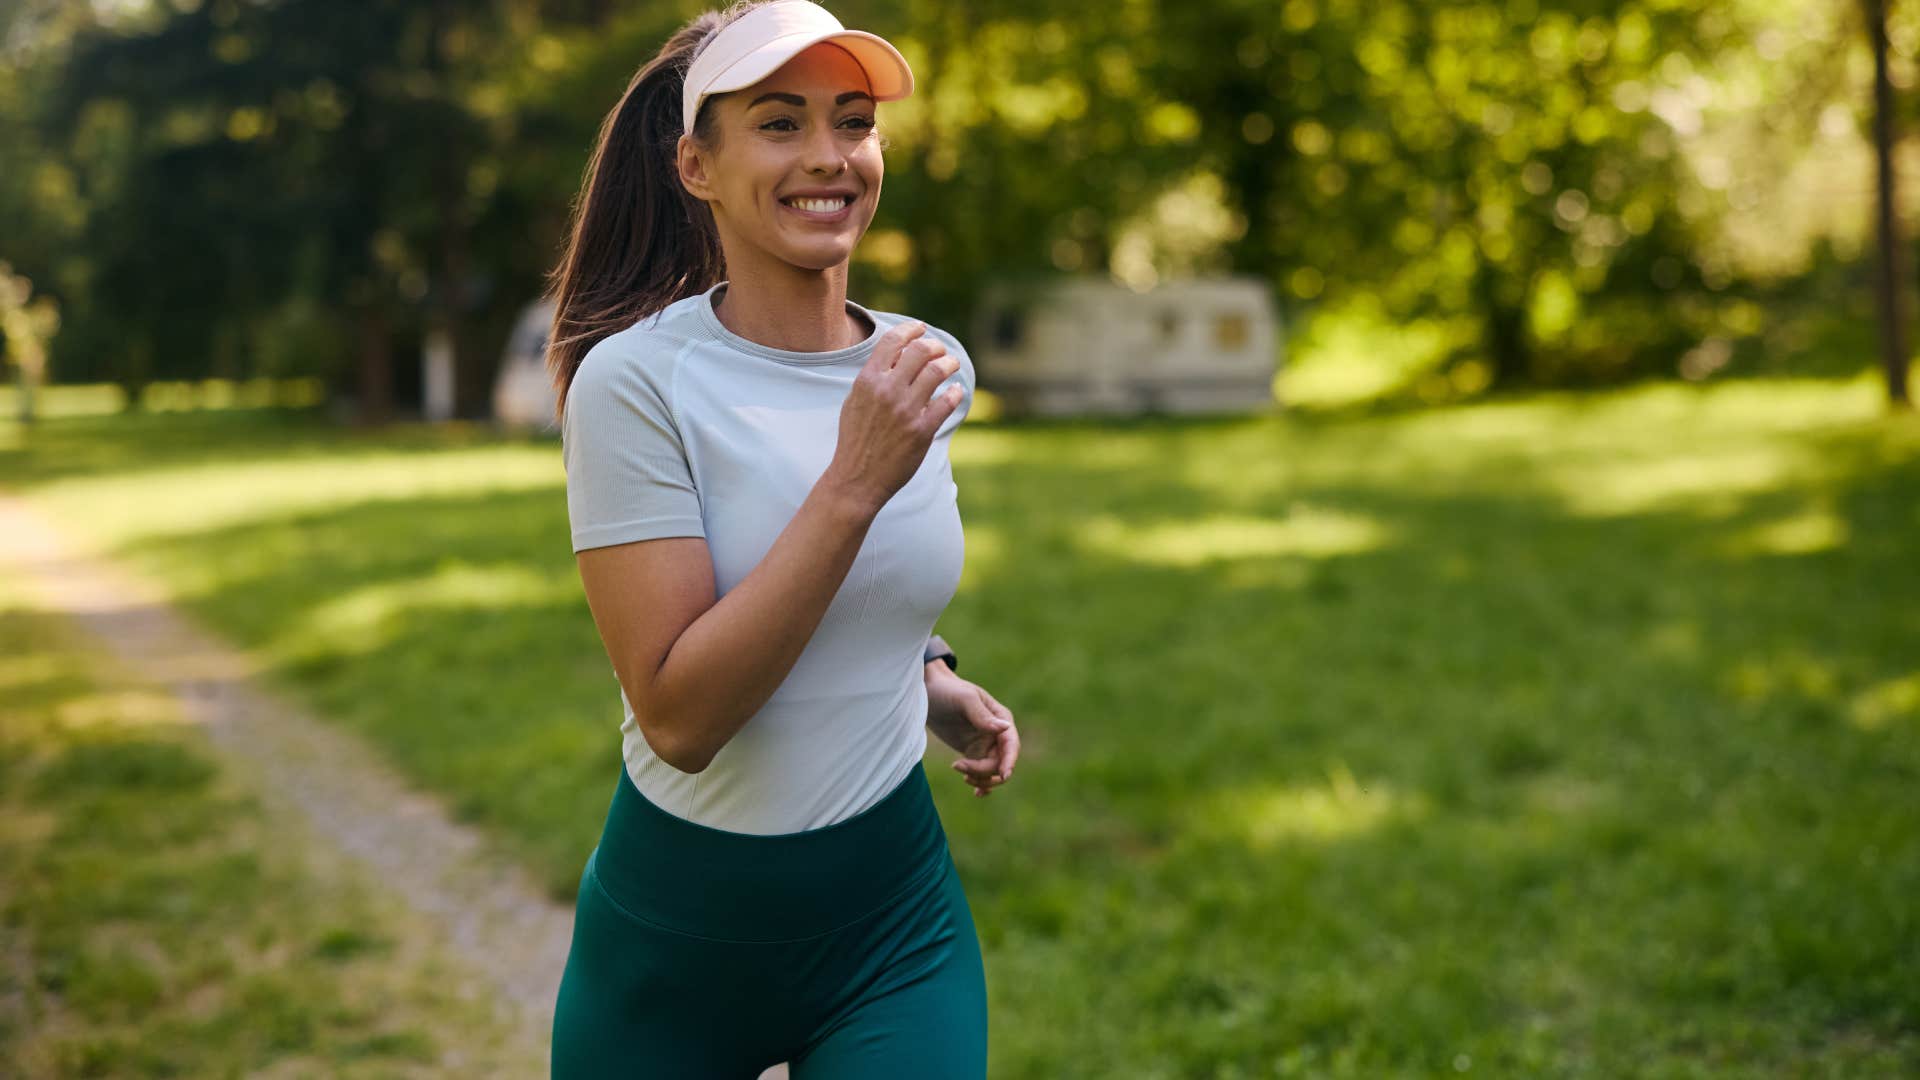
234, 188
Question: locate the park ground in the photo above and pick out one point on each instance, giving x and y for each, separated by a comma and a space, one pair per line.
1548, 734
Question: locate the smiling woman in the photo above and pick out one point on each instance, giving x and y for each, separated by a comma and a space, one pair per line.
771, 224
766, 525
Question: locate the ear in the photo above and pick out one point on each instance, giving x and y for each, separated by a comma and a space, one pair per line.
693, 169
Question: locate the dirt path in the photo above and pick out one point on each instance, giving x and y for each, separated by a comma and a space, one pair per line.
314, 776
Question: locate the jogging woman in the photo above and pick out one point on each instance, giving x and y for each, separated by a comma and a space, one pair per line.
764, 516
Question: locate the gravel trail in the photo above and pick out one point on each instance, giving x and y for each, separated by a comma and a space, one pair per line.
312, 775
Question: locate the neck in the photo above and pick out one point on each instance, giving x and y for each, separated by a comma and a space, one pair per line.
778, 304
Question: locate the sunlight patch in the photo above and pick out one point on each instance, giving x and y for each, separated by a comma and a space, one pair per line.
980, 448
27, 668
123, 508
1306, 530
359, 620
1696, 479
117, 709
1813, 529
986, 553
1342, 806
1884, 703
1792, 673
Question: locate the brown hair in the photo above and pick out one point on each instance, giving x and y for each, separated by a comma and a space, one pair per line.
639, 239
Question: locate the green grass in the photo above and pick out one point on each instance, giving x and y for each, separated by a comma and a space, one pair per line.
156, 926
1570, 735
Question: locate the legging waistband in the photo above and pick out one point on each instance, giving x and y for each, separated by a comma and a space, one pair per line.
748, 887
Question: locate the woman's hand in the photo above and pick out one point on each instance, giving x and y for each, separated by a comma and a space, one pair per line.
889, 418
968, 719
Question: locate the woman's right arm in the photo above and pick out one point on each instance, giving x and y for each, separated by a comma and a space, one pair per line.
695, 669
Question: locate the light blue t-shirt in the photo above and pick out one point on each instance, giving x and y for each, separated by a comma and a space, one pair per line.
676, 426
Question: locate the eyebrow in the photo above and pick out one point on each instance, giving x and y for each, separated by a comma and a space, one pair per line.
796, 99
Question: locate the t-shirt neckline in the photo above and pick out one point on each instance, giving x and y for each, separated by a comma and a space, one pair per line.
711, 320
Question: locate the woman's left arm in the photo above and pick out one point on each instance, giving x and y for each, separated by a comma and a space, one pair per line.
970, 720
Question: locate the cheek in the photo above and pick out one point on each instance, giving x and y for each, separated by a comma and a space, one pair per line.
760, 178
872, 172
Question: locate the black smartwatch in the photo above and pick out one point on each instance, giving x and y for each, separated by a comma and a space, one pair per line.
937, 650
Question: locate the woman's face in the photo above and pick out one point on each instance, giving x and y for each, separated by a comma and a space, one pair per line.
805, 130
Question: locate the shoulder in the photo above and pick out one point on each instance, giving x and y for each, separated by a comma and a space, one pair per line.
889, 319
638, 359
963, 375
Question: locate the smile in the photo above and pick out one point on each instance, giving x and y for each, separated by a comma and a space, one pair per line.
814, 209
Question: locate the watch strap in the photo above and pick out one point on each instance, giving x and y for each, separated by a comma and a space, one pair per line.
937, 649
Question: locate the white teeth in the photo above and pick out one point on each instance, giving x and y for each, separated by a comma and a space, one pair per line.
820, 206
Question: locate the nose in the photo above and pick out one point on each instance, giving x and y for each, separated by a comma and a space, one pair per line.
822, 153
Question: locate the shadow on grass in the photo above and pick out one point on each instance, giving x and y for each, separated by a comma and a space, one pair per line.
1487, 778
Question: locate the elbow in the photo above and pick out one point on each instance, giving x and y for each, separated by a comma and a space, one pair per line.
682, 754
670, 734
691, 763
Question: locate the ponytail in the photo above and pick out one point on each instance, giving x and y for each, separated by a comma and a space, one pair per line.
639, 240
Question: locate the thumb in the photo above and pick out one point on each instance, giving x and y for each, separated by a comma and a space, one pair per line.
983, 715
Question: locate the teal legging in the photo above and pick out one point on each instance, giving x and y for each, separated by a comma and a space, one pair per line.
848, 950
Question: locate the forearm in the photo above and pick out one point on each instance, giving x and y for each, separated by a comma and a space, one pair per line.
729, 661
934, 672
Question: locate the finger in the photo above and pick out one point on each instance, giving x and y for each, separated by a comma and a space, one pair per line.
915, 356
1009, 736
980, 714
983, 782
937, 371
886, 351
990, 765
977, 776
940, 408
978, 767
1010, 751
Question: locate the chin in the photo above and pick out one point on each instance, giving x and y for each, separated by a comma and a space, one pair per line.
821, 259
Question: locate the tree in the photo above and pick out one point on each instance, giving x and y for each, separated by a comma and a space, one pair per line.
1886, 283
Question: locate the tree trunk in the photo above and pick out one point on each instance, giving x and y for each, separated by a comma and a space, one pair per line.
1503, 329
1893, 343
376, 368
450, 306
136, 371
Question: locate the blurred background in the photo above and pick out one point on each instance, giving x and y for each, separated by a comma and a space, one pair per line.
1446, 200
1512, 671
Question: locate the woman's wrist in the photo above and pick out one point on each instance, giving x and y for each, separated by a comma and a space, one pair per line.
849, 497
936, 672
937, 649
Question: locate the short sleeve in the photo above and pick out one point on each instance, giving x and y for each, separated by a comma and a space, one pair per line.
962, 377
627, 472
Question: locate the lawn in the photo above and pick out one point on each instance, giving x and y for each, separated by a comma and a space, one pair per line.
1566, 734
157, 925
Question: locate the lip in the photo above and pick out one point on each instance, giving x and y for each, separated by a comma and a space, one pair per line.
809, 215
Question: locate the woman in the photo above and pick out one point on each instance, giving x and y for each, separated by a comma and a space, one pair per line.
765, 522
